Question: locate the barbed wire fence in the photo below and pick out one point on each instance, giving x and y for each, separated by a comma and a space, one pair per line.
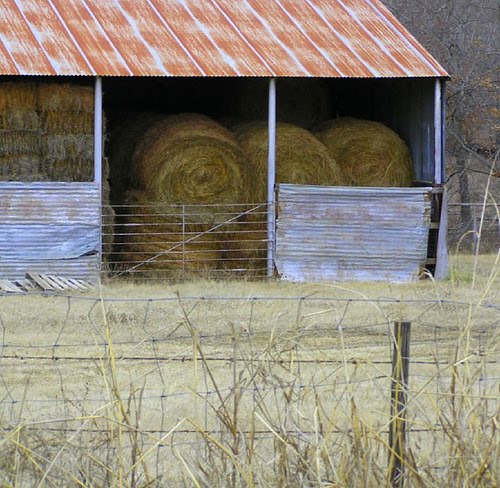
211, 384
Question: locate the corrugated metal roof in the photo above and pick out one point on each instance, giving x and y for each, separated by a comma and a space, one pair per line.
310, 38
349, 233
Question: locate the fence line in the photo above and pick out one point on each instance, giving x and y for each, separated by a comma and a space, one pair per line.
308, 366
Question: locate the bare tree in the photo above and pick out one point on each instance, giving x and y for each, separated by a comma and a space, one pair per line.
463, 36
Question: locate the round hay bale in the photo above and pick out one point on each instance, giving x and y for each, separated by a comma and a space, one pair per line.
108, 219
161, 237
303, 102
190, 159
18, 96
300, 157
369, 153
123, 140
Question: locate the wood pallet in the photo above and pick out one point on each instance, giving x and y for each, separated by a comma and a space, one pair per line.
36, 282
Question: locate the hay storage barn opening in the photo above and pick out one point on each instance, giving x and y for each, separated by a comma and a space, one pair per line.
303, 139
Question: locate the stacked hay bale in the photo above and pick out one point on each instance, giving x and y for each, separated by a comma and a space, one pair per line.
20, 143
300, 159
183, 167
67, 121
369, 153
46, 132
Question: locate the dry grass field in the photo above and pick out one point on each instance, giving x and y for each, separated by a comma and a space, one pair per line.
270, 384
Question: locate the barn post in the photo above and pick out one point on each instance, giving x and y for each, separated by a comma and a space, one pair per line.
98, 155
271, 177
441, 270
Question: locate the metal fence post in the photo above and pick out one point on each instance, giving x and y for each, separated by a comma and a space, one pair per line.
399, 387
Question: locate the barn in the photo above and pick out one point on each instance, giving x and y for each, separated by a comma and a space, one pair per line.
177, 138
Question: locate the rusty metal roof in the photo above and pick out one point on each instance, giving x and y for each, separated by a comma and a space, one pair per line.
306, 38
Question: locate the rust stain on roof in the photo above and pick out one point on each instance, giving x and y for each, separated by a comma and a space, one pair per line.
309, 38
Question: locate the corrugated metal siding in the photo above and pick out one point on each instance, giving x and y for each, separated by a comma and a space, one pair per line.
49, 227
321, 38
412, 118
351, 234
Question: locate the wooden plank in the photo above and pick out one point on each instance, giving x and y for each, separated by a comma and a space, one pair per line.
54, 282
9, 287
79, 284
39, 280
65, 283
26, 285
85, 285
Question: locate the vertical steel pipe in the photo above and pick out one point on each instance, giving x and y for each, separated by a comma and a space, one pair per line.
441, 269
271, 178
98, 152
438, 133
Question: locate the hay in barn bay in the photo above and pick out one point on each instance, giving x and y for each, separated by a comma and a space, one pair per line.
49, 128
14, 142
191, 159
65, 122
21, 167
108, 217
165, 237
69, 147
303, 102
123, 141
46, 97
55, 97
369, 153
300, 157
22, 119
18, 96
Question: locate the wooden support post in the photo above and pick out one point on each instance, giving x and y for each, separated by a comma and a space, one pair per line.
399, 386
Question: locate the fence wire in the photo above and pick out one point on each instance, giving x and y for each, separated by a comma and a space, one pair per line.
205, 380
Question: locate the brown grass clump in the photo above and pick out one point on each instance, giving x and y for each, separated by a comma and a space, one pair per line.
300, 157
190, 159
369, 153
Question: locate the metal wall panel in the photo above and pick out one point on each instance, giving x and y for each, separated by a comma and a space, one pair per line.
49, 228
351, 233
311, 38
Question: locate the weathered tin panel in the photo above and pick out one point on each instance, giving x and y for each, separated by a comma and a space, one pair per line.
318, 38
49, 228
351, 233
